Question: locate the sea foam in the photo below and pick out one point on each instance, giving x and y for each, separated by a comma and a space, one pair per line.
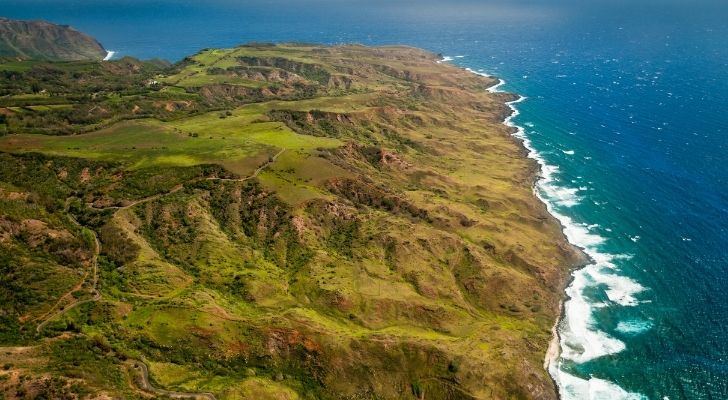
495, 88
581, 341
574, 388
634, 326
109, 55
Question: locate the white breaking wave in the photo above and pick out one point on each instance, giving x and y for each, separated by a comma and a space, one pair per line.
109, 55
572, 387
563, 196
580, 340
634, 326
496, 88
445, 59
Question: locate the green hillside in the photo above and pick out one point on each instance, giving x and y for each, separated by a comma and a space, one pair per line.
270, 222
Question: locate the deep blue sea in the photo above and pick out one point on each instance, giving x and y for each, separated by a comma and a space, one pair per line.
627, 109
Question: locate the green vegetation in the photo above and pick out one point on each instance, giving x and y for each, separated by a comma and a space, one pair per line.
273, 222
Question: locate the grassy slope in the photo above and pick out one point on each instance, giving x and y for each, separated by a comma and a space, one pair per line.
374, 235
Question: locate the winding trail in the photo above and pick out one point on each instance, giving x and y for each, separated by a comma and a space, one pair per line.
136, 202
46, 318
181, 186
254, 174
140, 367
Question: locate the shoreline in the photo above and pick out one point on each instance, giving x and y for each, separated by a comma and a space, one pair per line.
580, 238
553, 351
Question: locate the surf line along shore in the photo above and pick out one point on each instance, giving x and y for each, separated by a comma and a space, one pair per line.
554, 347
545, 183
545, 187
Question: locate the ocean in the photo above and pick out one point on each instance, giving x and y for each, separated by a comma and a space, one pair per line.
625, 106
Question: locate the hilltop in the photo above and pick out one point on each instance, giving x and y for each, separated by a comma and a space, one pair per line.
271, 221
43, 40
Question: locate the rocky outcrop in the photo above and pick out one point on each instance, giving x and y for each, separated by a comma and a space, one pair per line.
312, 72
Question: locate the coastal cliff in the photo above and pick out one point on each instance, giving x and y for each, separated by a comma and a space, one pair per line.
273, 221
42, 40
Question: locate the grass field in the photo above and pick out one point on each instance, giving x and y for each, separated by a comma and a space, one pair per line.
204, 139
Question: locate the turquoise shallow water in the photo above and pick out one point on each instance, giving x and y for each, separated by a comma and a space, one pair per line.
626, 108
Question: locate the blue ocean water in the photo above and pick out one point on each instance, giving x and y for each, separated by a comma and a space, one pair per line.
626, 108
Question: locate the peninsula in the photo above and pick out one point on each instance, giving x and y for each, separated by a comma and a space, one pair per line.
271, 222
41, 40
